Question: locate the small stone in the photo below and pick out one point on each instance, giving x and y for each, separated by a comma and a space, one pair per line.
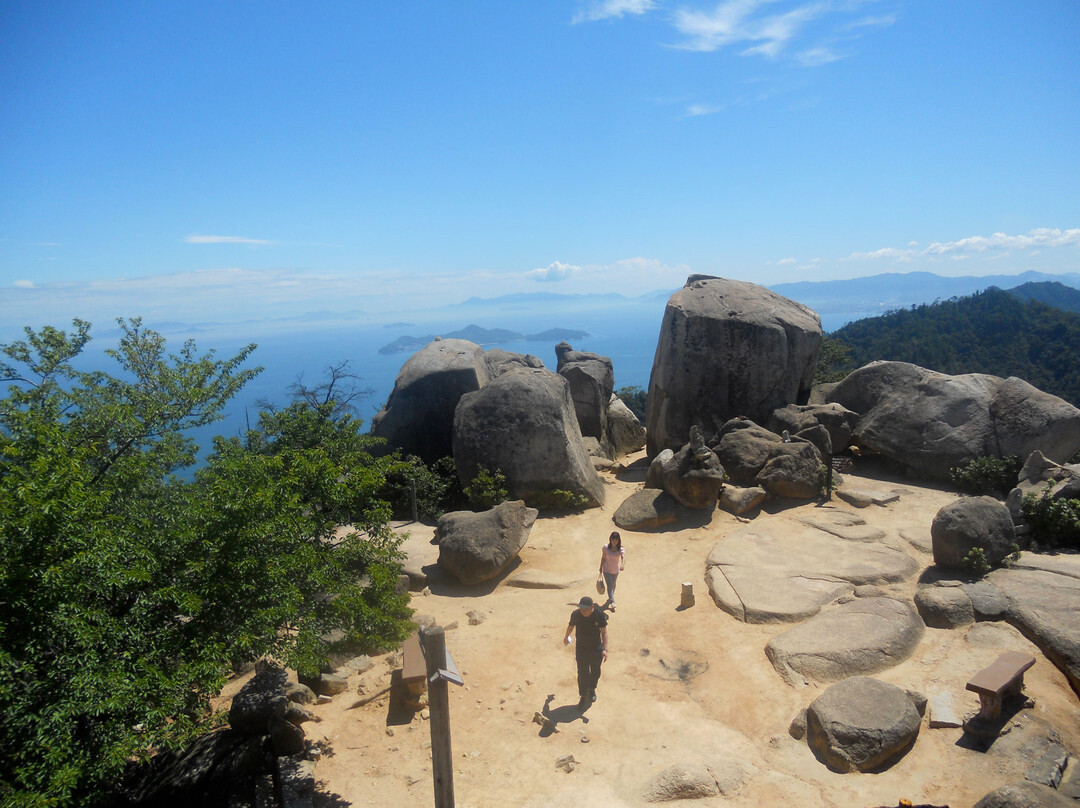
325, 700
584, 738
566, 763
425, 714
390, 732
475, 617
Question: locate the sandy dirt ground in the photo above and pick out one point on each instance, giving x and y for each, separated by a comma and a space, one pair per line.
680, 686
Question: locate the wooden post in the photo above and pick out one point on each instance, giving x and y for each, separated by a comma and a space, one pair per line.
687, 595
442, 758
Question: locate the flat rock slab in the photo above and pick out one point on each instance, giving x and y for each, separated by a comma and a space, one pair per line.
1025, 795
946, 712
863, 636
1044, 607
865, 497
543, 579
843, 525
785, 571
1060, 563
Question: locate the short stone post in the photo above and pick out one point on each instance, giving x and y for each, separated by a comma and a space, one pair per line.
687, 595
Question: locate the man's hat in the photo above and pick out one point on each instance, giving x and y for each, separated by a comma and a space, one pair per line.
585, 602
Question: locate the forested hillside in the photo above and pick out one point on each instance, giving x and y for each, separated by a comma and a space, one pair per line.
989, 332
1051, 293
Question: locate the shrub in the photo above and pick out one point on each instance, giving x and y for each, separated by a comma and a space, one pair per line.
437, 488
975, 562
993, 476
487, 489
1055, 523
557, 499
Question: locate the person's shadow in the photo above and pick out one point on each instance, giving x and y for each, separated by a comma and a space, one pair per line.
560, 715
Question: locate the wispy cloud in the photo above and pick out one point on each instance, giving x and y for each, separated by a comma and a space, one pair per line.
630, 275
696, 110
198, 239
815, 57
22, 284
606, 9
964, 247
738, 22
1040, 237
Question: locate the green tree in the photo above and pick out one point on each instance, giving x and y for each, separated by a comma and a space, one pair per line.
127, 592
834, 362
634, 397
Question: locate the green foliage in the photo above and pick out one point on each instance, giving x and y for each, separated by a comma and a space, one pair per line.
993, 476
556, 499
487, 489
1055, 523
834, 361
127, 592
437, 487
634, 398
990, 332
975, 562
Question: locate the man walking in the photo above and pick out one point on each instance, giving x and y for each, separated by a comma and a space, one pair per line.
591, 652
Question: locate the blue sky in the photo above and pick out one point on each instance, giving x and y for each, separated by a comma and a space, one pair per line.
209, 160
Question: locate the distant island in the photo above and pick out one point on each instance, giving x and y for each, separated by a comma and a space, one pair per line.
482, 336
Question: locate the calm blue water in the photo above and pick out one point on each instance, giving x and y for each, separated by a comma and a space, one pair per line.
627, 334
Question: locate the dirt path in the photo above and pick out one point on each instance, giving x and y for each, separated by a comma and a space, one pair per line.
691, 686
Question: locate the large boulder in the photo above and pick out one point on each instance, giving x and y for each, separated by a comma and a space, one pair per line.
968, 523
647, 509
475, 547
862, 636
930, 422
743, 449
1025, 794
793, 470
592, 380
418, 417
727, 348
693, 475
1040, 475
523, 424
839, 421
861, 724
625, 432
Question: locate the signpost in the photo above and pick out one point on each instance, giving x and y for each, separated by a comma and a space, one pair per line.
440, 670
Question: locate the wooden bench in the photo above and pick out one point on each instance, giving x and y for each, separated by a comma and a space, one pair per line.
413, 665
998, 681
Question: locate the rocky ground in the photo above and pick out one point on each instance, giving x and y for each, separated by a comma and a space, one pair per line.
689, 688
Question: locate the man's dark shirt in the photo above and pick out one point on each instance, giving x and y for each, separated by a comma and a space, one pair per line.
588, 630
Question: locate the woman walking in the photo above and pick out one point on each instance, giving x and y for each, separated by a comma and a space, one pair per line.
612, 562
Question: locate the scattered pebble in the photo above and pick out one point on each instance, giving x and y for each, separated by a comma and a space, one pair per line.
390, 731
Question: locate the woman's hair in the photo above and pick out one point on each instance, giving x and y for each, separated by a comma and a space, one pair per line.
617, 538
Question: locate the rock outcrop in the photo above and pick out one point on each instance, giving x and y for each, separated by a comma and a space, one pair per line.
648, 509
625, 432
861, 724
693, 475
592, 381
754, 456
969, 523
786, 571
727, 348
523, 424
859, 637
931, 422
475, 547
839, 421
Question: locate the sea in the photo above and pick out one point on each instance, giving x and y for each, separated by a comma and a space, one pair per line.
626, 332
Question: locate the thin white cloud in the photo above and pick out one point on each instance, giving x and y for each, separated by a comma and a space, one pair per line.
24, 284
1040, 237
627, 276
885, 252
697, 110
45, 244
607, 9
815, 57
882, 21
198, 239
737, 21
783, 261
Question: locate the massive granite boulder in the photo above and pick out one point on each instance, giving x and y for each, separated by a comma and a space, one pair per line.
592, 381
930, 422
475, 547
753, 456
419, 415
968, 523
727, 348
523, 425
625, 432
